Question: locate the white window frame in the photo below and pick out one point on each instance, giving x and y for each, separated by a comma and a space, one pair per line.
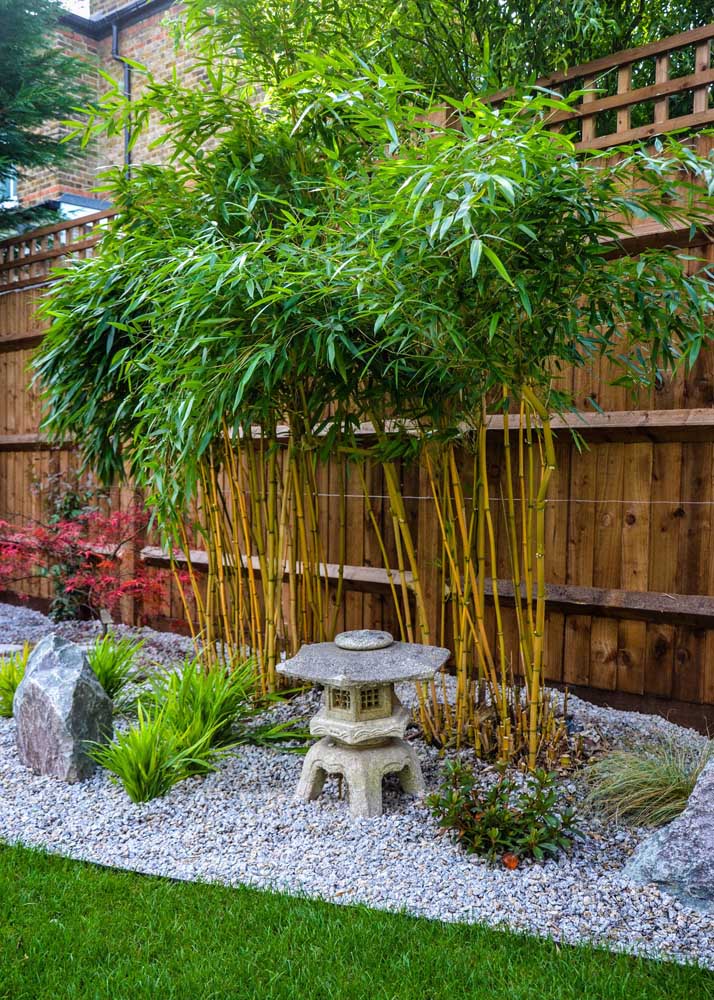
8, 191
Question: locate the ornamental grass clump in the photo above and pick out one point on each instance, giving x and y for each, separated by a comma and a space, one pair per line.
187, 721
647, 787
12, 670
222, 702
508, 821
151, 757
113, 660
196, 701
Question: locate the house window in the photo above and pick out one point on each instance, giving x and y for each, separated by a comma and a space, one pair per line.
8, 189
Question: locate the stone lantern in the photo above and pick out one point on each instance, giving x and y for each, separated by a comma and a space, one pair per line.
361, 720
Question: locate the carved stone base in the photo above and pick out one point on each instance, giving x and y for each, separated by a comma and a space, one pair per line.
361, 731
363, 770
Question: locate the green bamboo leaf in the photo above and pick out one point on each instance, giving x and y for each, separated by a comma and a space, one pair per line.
475, 252
497, 263
394, 145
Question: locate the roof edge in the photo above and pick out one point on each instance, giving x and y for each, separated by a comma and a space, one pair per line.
100, 27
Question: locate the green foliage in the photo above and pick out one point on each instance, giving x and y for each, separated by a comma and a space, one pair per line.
12, 670
196, 701
186, 721
40, 86
113, 659
69, 497
151, 757
506, 819
500, 43
451, 47
293, 268
648, 787
220, 702
270, 40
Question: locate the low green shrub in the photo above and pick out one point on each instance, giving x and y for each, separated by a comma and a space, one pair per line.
113, 661
506, 821
12, 670
647, 787
196, 701
151, 757
186, 721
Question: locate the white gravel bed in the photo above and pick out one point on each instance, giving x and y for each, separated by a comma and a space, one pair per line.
241, 825
20, 624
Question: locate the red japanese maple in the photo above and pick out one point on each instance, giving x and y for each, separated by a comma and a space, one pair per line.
84, 557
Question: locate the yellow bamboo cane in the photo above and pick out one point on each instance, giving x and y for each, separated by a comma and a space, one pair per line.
539, 636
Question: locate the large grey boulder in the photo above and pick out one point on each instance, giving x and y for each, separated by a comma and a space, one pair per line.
60, 705
679, 858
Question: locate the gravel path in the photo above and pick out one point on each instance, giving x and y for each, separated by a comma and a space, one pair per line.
241, 825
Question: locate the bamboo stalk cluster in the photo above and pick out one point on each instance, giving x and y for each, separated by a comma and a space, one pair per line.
268, 590
501, 707
522, 719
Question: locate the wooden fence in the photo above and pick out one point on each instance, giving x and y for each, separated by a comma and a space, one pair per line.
630, 526
634, 95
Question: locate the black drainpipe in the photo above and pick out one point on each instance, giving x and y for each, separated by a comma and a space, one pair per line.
127, 95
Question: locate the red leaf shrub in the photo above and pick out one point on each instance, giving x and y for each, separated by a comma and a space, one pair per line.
82, 557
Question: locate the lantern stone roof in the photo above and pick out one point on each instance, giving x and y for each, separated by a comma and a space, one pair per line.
331, 665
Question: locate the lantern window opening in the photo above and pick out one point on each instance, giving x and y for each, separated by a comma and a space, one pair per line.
341, 699
370, 698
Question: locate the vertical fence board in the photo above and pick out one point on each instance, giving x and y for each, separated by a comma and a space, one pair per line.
581, 539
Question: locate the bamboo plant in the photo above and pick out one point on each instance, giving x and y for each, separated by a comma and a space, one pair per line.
334, 257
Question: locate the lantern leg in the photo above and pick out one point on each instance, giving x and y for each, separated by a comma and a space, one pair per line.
363, 770
313, 775
364, 784
410, 777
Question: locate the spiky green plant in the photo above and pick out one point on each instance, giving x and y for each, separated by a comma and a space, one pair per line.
647, 787
113, 661
186, 721
221, 702
12, 670
195, 701
151, 757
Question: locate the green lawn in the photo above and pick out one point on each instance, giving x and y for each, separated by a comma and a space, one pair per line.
73, 930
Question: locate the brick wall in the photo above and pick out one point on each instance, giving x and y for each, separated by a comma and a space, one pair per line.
77, 176
150, 42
